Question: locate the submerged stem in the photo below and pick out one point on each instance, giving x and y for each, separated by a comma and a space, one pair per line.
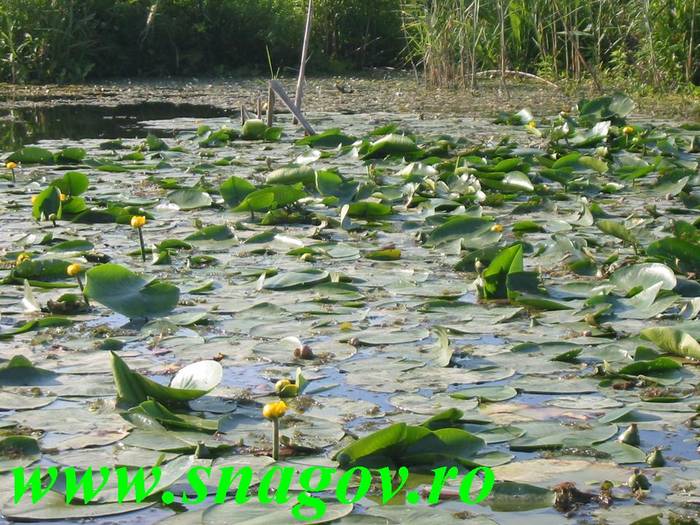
276, 439
143, 249
82, 289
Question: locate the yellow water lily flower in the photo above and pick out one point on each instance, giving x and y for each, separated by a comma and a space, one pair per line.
627, 130
63, 197
137, 221
498, 228
22, 257
532, 124
279, 386
11, 165
274, 410
34, 197
74, 269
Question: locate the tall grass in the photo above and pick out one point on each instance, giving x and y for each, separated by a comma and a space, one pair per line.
58, 52
639, 42
654, 42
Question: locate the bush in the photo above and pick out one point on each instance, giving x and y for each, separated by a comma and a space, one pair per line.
46, 40
69, 40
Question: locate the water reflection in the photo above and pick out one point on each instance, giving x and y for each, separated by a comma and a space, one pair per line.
19, 127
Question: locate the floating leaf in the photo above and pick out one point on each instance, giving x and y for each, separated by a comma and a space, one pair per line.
53, 507
215, 232
42, 270
330, 138
19, 371
616, 229
329, 183
494, 277
389, 254
18, 451
73, 183
677, 252
37, 324
76, 245
391, 144
293, 280
460, 227
47, 203
292, 175
125, 292
508, 496
637, 277
490, 394
189, 383
253, 129
369, 210
234, 190
406, 445
171, 420
270, 198
673, 340
31, 155
190, 199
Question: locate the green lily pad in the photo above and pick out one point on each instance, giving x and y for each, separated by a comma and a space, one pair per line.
125, 292
391, 144
31, 155
18, 451
53, 507
234, 190
215, 232
295, 280
673, 341
191, 382
190, 199
402, 444
492, 394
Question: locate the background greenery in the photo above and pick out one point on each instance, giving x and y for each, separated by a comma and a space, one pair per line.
652, 42
634, 43
69, 40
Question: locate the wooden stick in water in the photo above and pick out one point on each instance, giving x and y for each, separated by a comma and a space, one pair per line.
270, 107
304, 57
277, 87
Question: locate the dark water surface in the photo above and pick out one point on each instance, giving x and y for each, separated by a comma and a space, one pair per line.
19, 127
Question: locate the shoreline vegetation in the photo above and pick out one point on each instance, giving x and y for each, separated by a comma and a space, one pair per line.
371, 91
642, 45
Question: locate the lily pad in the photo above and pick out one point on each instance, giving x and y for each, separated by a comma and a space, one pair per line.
126, 293
191, 382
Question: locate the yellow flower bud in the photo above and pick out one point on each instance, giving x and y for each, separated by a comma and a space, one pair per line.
137, 221
11, 165
22, 257
63, 197
628, 130
279, 386
34, 197
532, 124
274, 410
498, 228
74, 269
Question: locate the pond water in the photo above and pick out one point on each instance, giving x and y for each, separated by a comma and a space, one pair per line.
29, 125
470, 256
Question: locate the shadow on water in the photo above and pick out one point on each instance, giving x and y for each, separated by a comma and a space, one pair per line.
19, 127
